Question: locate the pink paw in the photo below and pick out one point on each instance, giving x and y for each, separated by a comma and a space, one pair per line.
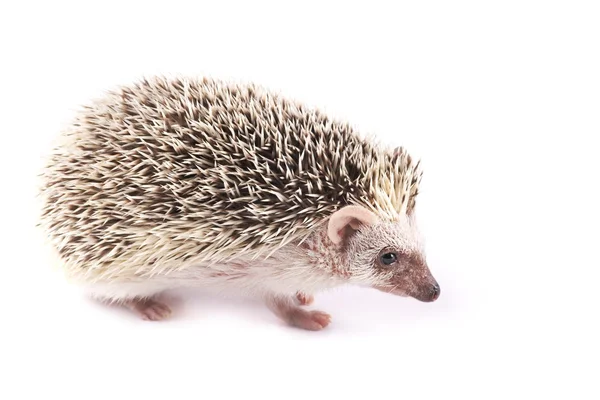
309, 320
304, 299
149, 309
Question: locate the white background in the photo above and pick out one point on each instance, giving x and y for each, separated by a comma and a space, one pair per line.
500, 100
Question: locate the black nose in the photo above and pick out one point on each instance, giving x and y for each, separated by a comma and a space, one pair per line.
435, 292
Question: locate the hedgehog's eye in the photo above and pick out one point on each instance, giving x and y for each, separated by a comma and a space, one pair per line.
389, 258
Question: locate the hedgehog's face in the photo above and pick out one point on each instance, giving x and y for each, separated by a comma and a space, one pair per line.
387, 256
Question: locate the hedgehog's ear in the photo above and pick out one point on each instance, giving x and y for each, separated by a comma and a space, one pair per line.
347, 219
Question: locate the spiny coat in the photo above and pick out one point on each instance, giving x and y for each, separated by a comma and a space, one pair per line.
169, 172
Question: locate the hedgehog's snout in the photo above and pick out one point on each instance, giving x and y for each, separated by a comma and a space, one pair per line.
429, 293
434, 292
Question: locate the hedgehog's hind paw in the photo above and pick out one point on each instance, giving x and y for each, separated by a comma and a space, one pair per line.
148, 309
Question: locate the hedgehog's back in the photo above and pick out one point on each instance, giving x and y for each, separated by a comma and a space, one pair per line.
165, 166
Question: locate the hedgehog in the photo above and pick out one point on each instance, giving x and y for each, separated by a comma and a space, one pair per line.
196, 182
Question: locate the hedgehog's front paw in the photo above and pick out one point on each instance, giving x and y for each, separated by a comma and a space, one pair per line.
287, 309
304, 299
149, 309
309, 320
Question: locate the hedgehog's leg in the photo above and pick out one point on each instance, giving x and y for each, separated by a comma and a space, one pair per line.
304, 299
141, 298
148, 308
286, 309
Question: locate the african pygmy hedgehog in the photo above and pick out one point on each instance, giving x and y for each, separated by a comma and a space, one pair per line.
197, 182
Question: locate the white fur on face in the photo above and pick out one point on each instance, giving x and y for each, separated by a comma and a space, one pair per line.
367, 244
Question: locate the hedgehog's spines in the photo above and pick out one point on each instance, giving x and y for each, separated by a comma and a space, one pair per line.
167, 167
